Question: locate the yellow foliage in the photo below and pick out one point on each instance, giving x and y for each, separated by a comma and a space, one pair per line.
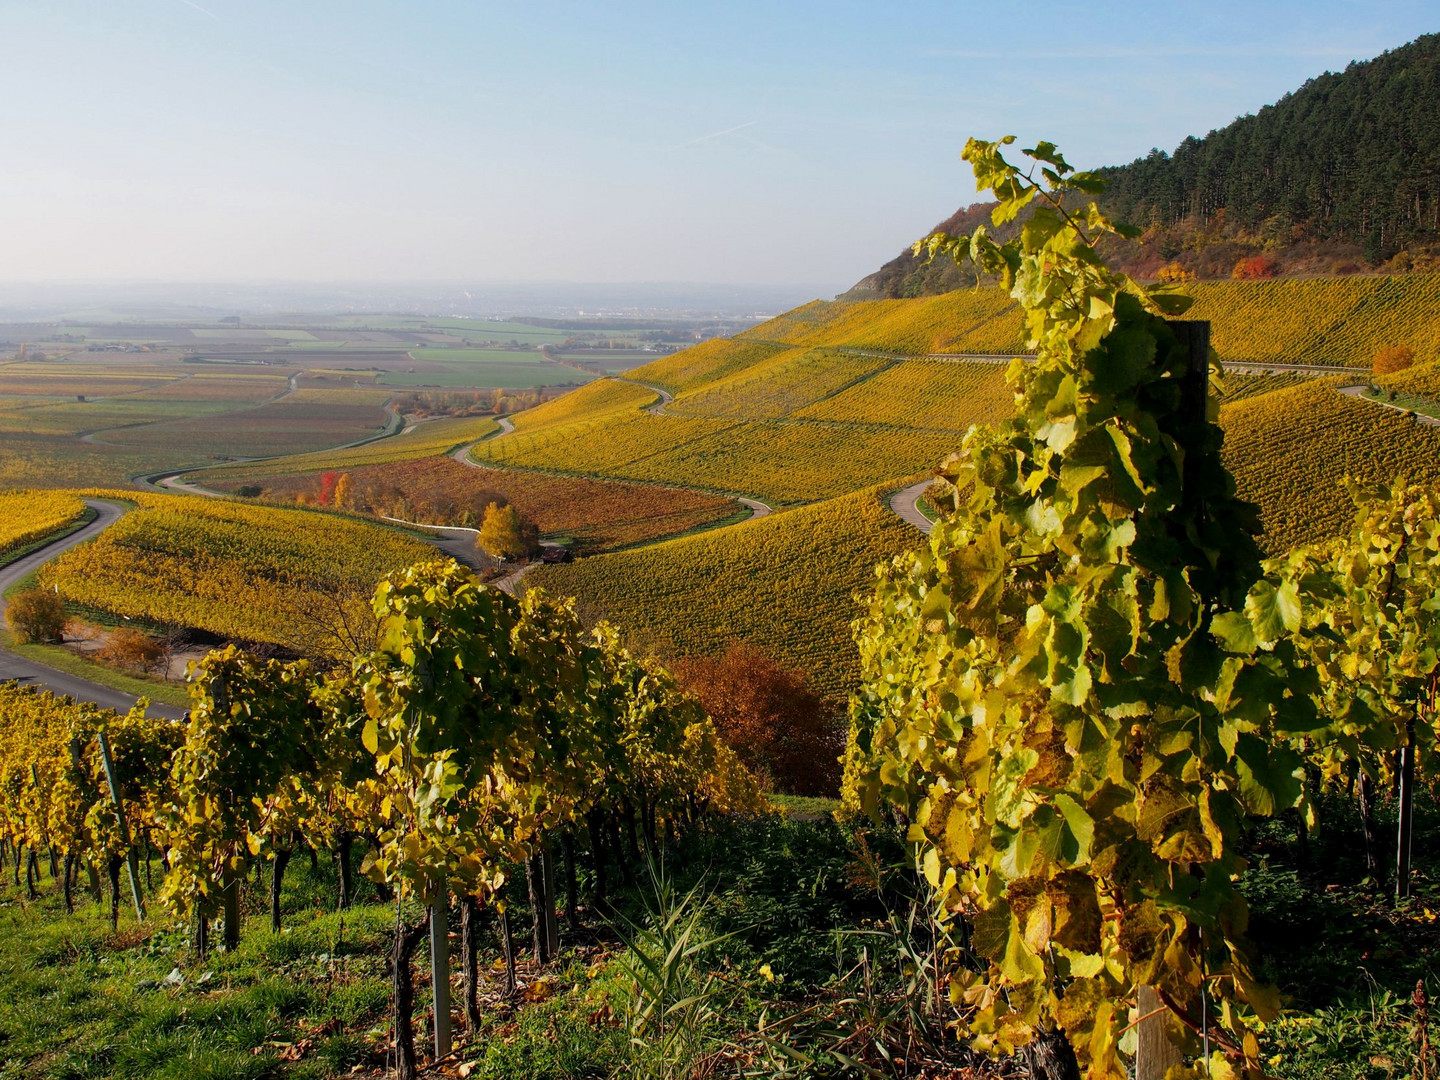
253, 573
1273, 447
784, 583
27, 516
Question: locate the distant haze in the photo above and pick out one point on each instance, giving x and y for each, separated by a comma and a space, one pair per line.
299, 141
104, 301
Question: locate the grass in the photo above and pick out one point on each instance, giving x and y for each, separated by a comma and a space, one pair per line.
805, 807
795, 898
1400, 400
81, 1001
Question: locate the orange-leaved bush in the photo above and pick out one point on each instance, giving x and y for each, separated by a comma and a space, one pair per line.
770, 716
1392, 358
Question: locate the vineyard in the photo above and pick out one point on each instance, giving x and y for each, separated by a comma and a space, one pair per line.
1341, 321
598, 399
27, 516
921, 394
555, 737
777, 387
291, 578
1291, 450
785, 583
706, 363
1133, 772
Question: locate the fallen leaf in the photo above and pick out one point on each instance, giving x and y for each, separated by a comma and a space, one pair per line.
540, 990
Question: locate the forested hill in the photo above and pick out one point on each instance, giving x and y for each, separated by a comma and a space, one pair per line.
1340, 176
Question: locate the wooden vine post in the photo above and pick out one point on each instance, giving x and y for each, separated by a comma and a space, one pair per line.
1154, 1052
132, 864
440, 971
1405, 814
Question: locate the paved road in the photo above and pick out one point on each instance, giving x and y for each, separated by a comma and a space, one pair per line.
658, 409
757, 508
903, 503
462, 453
28, 672
1238, 366
1359, 392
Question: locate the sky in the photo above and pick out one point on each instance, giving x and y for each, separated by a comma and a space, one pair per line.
685, 140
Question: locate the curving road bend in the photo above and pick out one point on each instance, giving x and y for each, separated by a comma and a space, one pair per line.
1359, 392
904, 501
30, 673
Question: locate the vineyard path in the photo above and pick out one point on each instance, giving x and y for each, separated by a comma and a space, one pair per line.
904, 503
1359, 392
28, 672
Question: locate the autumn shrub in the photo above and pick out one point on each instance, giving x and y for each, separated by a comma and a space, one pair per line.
775, 722
1255, 268
1174, 273
1392, 358
134, 650
37, 615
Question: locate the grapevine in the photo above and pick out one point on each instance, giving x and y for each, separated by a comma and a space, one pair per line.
1037, 699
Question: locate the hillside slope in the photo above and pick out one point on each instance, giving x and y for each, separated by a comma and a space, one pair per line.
784, 583
833, 397
1343, 173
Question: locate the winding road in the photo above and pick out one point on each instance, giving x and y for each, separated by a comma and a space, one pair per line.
1358, 392
30, 673
904, 503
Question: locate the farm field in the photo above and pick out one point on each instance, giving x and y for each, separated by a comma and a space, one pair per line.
503, 368
588, 515
428, 439
304, 421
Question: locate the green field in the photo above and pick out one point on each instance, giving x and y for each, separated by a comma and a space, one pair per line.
505, 369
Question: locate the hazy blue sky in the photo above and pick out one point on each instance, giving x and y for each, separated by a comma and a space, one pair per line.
766, 142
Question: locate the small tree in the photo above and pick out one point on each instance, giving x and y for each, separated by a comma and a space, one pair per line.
1175, 273
37, 615
770, 716
341, 497
501, 533
1255, 268
136, 650
1392, 358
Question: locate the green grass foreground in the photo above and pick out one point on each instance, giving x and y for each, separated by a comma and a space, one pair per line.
796, 907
